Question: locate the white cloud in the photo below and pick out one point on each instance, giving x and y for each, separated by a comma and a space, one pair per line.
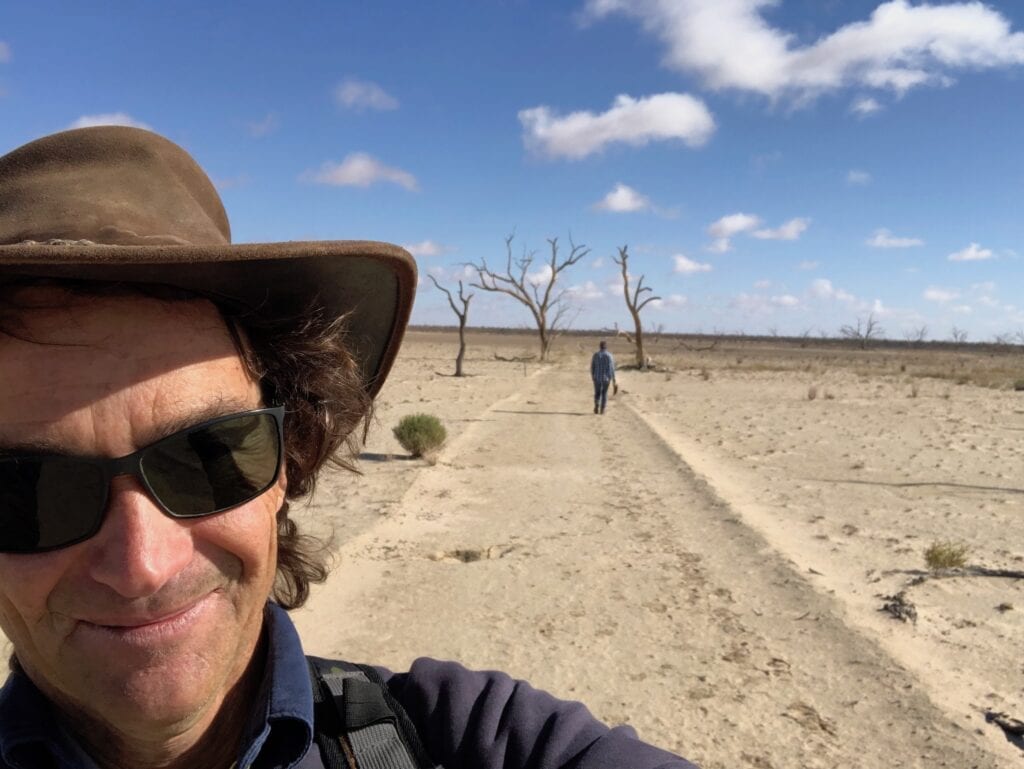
356, 94
858, 178
807, 264
730, 44
623, 199
864, 106
761, 285
822, 288
109, 118
268, 125
725, 228
359, 170
232, 182
941, 295
962, 309
541, 276
785, 300
637, 122
676, 300
587, 291
885, 239
597, 263
5, 52
424, 248
791, 230
688, 266
973, 253
758, 304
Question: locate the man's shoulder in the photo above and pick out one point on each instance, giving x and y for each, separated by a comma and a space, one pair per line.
487, 719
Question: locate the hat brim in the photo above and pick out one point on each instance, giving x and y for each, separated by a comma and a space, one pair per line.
373, 283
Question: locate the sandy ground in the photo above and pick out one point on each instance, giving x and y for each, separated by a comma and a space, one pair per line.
708, 560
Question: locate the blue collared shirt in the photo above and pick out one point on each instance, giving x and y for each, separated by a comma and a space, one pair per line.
279, 734
467, 720
602, 367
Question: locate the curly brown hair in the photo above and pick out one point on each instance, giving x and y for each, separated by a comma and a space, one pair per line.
303, 362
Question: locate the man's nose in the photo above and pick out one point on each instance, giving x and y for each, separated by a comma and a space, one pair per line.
139, 548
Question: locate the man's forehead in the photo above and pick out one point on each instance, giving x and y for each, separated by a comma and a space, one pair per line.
124, 353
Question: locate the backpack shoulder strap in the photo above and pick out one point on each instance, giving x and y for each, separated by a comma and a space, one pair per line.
358, 724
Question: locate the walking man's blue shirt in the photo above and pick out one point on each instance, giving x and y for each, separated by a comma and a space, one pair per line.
602, 372
602, 366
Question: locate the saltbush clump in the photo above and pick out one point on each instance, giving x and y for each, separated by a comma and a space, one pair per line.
420, 434
946, 555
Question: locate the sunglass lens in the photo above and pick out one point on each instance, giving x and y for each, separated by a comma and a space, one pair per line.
49, 502
214, 467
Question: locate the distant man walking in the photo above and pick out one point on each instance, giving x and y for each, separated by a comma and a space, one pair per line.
602, 371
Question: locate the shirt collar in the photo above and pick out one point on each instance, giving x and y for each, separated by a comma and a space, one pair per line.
278, 735
280, 731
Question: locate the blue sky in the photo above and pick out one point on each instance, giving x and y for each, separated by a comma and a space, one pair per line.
786, 166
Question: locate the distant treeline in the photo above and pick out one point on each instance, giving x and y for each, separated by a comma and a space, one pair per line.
809, 340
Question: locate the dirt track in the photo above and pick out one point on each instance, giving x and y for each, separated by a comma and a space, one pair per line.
584, 554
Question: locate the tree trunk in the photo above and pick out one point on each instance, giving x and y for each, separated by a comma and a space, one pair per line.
545, 343
462, 345
641, 360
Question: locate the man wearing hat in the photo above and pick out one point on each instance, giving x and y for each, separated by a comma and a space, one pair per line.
164, 396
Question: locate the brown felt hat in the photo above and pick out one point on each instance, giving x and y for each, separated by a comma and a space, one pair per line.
126, 205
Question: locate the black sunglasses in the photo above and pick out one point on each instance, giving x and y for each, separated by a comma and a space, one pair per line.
52, 501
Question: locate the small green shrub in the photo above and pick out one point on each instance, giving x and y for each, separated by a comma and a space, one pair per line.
946, 555
1019, 385
420, 433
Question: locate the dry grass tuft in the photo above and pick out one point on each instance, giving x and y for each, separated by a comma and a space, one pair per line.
946, 555
812, 392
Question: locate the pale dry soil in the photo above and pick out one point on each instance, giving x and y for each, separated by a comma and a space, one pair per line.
706, 561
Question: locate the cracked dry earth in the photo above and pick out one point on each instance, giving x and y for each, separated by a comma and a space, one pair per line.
583, 554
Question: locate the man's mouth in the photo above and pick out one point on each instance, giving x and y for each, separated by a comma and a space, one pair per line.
151, 627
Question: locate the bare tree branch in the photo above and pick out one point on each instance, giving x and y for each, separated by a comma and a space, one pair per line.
462, 315
634, 304
866, 330
535, 291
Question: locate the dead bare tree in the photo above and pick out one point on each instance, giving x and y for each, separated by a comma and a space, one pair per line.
958, 335
635, 302
535, 291
864, 332
916, 336
461, 315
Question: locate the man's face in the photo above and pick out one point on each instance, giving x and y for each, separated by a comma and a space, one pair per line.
153, 619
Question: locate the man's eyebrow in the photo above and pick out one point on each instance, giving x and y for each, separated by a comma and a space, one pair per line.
221, 407
212, 410
28, 448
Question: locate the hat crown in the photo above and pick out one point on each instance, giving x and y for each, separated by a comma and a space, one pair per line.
110, 185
